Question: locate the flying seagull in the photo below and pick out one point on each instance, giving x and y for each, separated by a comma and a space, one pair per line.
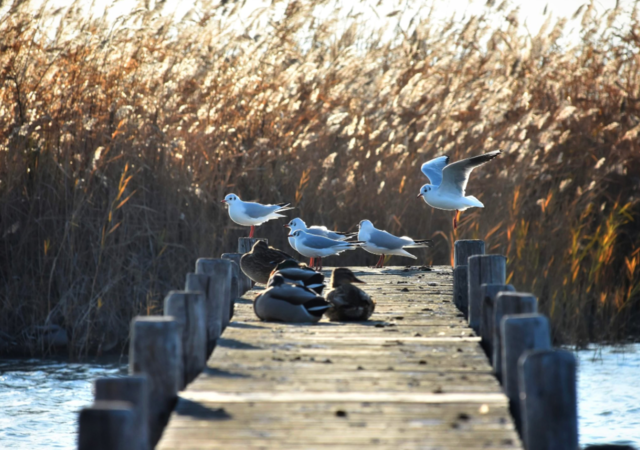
449, 181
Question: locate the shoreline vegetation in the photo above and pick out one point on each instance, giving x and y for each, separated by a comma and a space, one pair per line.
117, 141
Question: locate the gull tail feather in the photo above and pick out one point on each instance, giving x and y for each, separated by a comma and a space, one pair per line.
284, 207
420, 243
477, 203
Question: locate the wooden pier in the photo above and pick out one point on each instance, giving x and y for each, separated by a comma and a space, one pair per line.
413, 376
451, 358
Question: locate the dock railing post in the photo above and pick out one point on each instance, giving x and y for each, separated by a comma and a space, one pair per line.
106, 425
244, 282
508, 303
520, 333
132, 389
199, 282
245, 244
462, 250
234, 290
488, 269
488, 293
156, 351
547, 382
220, 275
188, 310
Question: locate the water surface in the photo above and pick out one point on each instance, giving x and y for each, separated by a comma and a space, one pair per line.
40, 400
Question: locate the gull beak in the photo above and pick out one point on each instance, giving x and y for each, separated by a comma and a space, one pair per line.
286, 225
290, 235
419, 195
223, 201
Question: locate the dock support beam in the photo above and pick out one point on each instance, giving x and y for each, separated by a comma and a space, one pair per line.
483, 269
521, 333
156, 352
549, 409
188, 310
462, 250
508, 303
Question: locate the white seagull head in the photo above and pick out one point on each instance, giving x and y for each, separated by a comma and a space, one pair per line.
426, 190
296, 224
365, 224
230, 198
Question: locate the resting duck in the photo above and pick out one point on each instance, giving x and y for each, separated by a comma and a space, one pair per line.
348, 302
284, 302
261, 260
299, 273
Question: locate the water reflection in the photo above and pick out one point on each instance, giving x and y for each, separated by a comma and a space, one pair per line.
39, 400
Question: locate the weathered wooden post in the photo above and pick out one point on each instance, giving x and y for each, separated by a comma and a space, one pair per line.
219, 271
244, 283
520, 333
245, 244
462, 250
199, 282
488, 269
488, 293
549, 410
132, 389
234, 291
156, 352
508, 303
107, 425
188, 310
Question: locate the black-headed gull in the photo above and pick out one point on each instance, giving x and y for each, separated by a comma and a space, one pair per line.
298, 224
318, 247
252, 214
448, 182
380, 242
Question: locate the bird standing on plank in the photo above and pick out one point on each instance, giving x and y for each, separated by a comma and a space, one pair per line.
284, 302
318, 247
348, 302
298, 224
252, 214
380, 242
449, 181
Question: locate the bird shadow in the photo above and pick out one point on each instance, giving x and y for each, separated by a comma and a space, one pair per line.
244, 325
213, 372
194, 409
233, 343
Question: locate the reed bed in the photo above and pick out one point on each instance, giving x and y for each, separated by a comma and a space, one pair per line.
117, 141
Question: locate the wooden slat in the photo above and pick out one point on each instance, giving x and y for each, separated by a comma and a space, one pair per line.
412, 377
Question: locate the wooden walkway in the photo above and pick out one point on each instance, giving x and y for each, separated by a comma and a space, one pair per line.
413, 377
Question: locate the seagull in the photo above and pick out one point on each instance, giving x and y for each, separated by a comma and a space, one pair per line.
379, 242
252, 214
298, 224
318, 247
449, 182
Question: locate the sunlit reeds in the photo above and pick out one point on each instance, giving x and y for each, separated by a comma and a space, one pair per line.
117, 140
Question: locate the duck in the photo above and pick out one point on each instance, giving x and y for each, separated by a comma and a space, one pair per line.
299, 273
261, 260
348, 302
283, 302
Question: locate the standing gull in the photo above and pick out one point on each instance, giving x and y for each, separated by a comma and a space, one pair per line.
252, 214
318, 247
298, 224
449, 182
379, 242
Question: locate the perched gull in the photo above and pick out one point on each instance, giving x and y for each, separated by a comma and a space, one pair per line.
379, 242
298, 224
318, 247
449, 182
252, 214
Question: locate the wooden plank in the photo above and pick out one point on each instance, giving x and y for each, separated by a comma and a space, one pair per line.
414, 376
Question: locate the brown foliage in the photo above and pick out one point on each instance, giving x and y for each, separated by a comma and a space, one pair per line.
116, 141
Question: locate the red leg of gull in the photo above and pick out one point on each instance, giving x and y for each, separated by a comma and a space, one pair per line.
311, 262
379, 263
455, 219
253, 229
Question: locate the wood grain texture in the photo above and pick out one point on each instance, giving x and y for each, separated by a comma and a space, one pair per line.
483, 269
412, 377
488, 293
106, 425
464, 248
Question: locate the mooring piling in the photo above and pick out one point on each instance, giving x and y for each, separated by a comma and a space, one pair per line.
483, 269
107, 425
488, 293
463, 249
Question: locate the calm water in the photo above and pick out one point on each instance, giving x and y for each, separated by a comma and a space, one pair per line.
39, 400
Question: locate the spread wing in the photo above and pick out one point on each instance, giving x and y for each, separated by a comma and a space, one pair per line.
433, 169
455, 176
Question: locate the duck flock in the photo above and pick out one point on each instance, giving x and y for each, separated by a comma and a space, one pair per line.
294, 289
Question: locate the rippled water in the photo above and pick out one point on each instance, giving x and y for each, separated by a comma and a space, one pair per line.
609, 395
39, 400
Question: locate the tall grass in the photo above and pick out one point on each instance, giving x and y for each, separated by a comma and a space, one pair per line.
117, 140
